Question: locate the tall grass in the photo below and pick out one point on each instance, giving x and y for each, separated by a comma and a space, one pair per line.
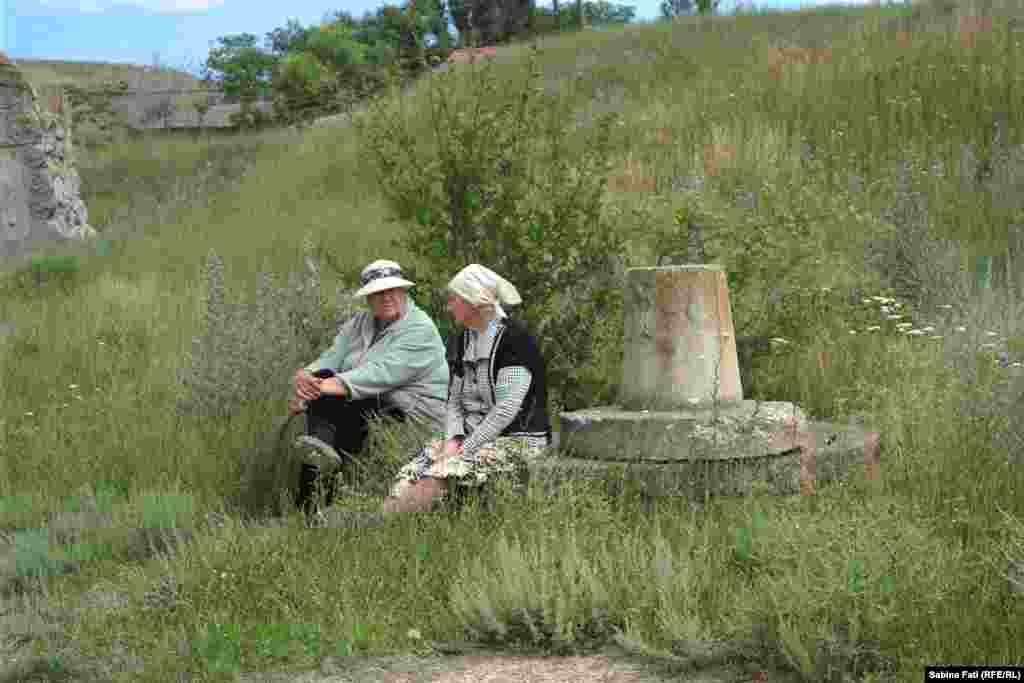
902, 127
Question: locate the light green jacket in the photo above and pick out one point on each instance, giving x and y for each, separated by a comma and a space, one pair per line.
406, 366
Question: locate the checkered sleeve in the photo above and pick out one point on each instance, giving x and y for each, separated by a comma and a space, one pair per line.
455, 421
509, 391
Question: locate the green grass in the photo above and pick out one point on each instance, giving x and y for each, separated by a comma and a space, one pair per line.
858, 580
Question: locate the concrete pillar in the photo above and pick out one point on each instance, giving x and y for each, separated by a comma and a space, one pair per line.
680, 345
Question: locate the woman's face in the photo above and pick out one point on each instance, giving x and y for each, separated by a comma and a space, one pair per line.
387, 305
460, 309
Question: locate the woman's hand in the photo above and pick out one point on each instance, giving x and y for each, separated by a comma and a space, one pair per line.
452, 448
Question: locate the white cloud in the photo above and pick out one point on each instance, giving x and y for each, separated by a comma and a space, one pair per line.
158, 6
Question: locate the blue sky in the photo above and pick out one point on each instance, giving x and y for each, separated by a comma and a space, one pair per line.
176, 33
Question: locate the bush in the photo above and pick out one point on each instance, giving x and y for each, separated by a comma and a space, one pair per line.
248, 352
493, 182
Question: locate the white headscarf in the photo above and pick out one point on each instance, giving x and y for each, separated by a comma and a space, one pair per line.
481, 286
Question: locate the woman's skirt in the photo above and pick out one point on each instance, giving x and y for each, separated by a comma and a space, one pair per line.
504, 455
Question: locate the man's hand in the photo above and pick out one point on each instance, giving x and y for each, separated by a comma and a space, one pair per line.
296, 406
333, 387
307, 387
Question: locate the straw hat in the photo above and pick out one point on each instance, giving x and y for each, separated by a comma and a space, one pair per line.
381, 275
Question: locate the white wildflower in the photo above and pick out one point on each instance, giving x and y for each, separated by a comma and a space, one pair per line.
779, 340
853, 331
935, 336
991, 334
873, 328
946, 306
895, 316
866, 301
29, 414
915, 333
989, 346
72, 386
1016, 364
961, 329
928, 329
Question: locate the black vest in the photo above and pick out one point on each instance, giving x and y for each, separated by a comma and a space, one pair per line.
514, 345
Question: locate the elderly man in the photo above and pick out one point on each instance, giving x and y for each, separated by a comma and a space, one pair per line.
389, 361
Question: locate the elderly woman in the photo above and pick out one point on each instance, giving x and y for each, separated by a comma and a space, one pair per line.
497, 416
389, 361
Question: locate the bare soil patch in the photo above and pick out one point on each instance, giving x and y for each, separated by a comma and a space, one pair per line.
610, 666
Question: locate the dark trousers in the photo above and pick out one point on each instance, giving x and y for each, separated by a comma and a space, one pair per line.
345, 425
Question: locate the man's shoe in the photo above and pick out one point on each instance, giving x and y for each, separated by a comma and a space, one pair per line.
313, 451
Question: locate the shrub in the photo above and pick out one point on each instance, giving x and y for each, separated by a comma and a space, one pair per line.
493, 182
248, 351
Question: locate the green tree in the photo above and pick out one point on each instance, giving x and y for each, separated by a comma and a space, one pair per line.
492, 181
243, 69
670, 9
603, 12
707, 6
290, 39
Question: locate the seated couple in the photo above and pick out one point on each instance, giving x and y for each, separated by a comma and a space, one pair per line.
488, 409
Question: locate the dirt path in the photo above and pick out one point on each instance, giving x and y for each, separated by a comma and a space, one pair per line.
608, 667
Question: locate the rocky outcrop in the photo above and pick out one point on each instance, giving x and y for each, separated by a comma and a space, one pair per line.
39, 187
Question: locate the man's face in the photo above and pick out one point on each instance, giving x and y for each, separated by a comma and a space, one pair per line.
387, 305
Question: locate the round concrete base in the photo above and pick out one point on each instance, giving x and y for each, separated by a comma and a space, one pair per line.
789, 461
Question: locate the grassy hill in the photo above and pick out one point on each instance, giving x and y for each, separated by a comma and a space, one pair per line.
42, 72
845, 165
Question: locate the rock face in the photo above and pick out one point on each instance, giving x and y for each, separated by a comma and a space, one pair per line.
39, 188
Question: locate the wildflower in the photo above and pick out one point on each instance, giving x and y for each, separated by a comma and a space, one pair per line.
1016, 364
853, 331
946, 306
928, 329
72, 386
901, 325
880, 299
873, 328
102, 343
961, 329
988, 346
935, 336
866, 301
29, 414
915, 333
895, 316
991, 334
779, 340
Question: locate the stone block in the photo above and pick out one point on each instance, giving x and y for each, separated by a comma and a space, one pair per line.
792, 460
729, 432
